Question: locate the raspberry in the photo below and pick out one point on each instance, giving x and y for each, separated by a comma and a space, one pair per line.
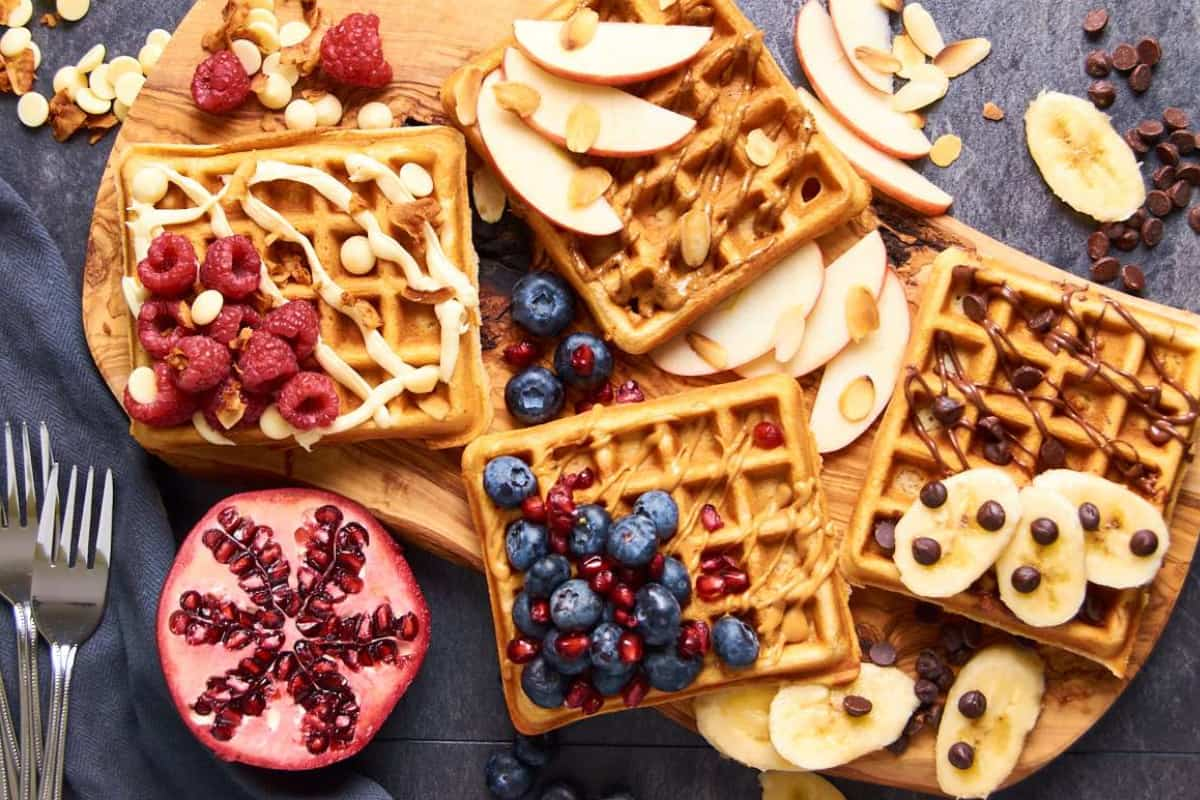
266, 362
161, 324
296, 323
198, 363
231, 266
308, 401
169, 269
230, 402
220, 83
352, 53
170, 407
229, 323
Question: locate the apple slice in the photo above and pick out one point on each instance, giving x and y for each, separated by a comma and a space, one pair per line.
619, 53
749, 323
863, 23
886, 173
866, 110
629, 125
860, 379
535, 170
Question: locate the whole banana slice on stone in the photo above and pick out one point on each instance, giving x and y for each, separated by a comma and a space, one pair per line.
797, 786
1042, 573
734, 722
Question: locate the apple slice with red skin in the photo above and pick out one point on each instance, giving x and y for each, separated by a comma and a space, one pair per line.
863, 23
619, 52
886, 173
535, 170
865, 110
629, 125
879, 357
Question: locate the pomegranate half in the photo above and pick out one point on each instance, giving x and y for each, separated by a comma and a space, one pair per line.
289, 627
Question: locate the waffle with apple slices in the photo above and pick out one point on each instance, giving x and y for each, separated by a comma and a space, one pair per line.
742, 470
1040, 378
699, 219
410, 321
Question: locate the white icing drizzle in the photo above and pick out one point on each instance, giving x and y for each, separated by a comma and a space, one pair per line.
453, 318
135, 294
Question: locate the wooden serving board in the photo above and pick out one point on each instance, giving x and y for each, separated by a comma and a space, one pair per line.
419, 492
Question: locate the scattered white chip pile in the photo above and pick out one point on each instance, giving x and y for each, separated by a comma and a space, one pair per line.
375, 116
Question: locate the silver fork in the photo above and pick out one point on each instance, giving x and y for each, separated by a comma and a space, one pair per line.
22, 755
69, 595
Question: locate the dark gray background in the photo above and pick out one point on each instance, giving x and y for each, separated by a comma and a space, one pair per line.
436, 742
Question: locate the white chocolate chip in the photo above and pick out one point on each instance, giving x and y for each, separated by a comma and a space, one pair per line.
266, 34
14, 42
248, 53
416, 179
120, 110
329, 110
148, 57
273, 424
73, 10
375, 116
269, 5
21, 15
272, 65
357, 256
300, 115
277, 92
70, 80
264, 15
293, 33
123, 65
158, 37
89, 102
37, 54
207, 306
128, 87
143, 385
32, 110
93, 58
100, 84
149, 185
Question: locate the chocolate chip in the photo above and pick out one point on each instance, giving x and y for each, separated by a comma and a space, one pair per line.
948, 410
1051, 454
1044, 530
1167, 153
1194, 218
1102, 93
1139, 79
975, 307
898, 747
927, 613
961, 755
1027, 377
1139, 216
972, 704
935, 716
1180, 194
972, 633
992, 426
1026, 579
998, 452
915, 722
990, 516
885, 536
1158, 203
856, 705
1097, 64
1089, 517
1176, 118
1136, 143
1189, 173
1159, 433
933, 494
1128, 241
1113, 230
1105, 269
1097, 245
1094, 607
882, 654
926, 551
1094, 21
1184, 141
929, 665
926, 691
1163, 176
1152, 232
1143, 543
1124, 57
1150, 129
1132, 278
1149, 51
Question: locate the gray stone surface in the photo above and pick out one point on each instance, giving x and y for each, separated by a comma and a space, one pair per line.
436, 742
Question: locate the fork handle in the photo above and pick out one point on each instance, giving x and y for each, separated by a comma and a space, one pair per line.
9, 772
62, 660
31, 716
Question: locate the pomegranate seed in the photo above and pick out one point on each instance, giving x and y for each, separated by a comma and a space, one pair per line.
602, 582
407, 626
693, 639
328, 515
633, 578
624, 618
228, 517
533, 509
736, 581
578, 692
522, 650
559, 542
629, 392
559, 500
630, 648
710, 519
593, 703
767, 435
591, 565
635, 691
622, 596
600, 396
571, 645
711, 564
710, 587
585, 478
655, 567
583, 360
539, 611
521, 354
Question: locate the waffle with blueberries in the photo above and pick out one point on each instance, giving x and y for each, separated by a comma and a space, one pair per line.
646, 553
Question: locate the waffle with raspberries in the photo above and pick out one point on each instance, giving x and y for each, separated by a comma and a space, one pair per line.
452, 413
636, 282
751, 529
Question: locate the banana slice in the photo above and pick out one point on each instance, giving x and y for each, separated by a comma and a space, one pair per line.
811, 727
1042, 573
797, 786
735, 723
1082, 158
1125, 536
955, 531
1003, 684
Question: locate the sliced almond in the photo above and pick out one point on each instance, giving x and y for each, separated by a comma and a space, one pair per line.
694, 237
893, 5
580, 28
928, 85
588, 185
519, 98
490, 198
711, 351
945, 150
877, 59
760, 148
919, 25
466, 96
958, 57
908, 53
862, 313
857, 399
992, 111
583, 126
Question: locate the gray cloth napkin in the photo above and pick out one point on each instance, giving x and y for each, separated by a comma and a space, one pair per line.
126, 741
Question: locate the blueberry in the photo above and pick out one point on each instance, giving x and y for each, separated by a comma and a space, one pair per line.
575, 607
736, 642
657, 615
534, 395
524, 619
577, 367
508, 481
670, 673
590, 530
507, 778
560, 791
632, 541
543, 684
659, 507
534, 751
611, 682
567, 666
605, 655
546, 575
676, 579
543, 303
525, 542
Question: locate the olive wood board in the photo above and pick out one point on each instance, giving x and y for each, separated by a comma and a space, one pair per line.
419, 492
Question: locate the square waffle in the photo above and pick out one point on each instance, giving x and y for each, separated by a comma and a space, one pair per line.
698, 446
902, 461
635, 282
454, 412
